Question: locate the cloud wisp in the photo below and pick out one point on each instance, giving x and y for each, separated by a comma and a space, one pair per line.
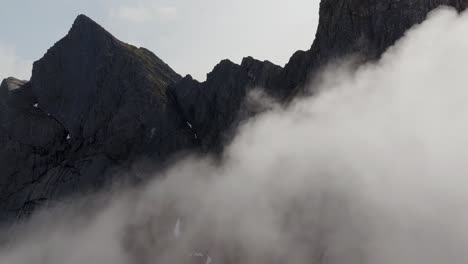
13, 66
372, 170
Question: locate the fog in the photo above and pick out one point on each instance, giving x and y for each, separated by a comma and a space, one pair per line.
371, 170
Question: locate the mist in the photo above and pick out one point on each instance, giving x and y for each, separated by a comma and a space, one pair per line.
371, 170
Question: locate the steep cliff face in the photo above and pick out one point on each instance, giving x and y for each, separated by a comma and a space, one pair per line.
107, 92
365, 28
212, 107
30, 145
95, 104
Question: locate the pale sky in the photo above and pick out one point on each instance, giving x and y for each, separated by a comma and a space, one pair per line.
192, 36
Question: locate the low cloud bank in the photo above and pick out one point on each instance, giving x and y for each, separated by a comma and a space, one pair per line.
372, 170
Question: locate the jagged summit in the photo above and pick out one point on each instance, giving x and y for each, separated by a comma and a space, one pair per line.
82, 19
84, 24
77, 80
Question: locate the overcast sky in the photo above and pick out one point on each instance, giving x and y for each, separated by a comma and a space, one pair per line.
190, 35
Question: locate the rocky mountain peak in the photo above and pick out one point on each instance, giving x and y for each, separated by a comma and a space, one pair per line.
82, 21
85, 27
83, 79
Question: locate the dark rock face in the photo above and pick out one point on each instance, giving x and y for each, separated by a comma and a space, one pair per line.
102, 90
94, 104
365, 28
30, 144
211, 108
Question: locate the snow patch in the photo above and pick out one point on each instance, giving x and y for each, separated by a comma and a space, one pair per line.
153, 132
36, 105
189, 124
68, 137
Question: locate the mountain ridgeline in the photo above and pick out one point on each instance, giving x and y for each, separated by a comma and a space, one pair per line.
95, 106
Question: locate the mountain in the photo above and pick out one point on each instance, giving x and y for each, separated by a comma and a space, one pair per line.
364, 29
95, 105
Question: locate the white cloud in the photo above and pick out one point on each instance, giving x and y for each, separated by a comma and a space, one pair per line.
13, 66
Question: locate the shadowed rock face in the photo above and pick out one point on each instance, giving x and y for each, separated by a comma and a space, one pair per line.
94, 104
212, 107
107, 92
364, 28
30, 145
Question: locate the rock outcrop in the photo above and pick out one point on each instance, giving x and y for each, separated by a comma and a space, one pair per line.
212, 107
94, 104
364, 28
